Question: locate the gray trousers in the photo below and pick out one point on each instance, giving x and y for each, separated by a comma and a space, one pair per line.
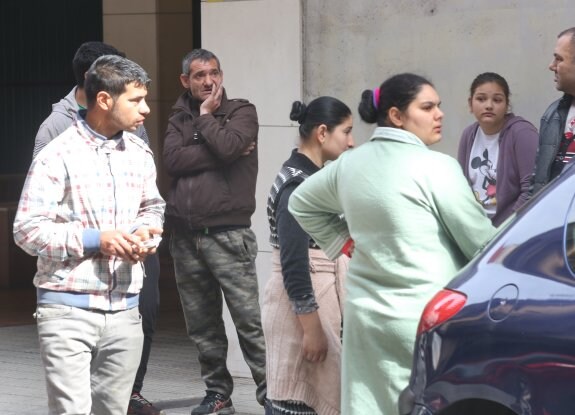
207, 266
90, 358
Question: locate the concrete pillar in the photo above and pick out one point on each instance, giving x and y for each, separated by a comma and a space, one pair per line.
260, 49
156, 34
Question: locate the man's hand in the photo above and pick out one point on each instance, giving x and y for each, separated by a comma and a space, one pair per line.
119, 244
145, 233
212, 103
250, 148
128, 246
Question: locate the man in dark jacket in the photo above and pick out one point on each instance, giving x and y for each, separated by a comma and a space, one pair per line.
210, 150
556, 145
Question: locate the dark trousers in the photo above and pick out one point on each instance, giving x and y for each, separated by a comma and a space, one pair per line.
207, 268
149, 304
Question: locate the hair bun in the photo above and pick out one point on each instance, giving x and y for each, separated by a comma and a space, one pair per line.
366, 108
298, 112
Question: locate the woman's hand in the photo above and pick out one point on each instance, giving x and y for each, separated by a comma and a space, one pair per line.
314, 340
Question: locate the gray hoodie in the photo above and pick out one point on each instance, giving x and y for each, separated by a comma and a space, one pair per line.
63, 114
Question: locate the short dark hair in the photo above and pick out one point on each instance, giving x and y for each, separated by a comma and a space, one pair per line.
569, 32
323, 110
398, 91
111, 73
198, 54
490, 77
85, 56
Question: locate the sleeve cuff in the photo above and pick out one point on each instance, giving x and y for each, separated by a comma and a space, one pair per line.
91, 240
304, 305
346, 250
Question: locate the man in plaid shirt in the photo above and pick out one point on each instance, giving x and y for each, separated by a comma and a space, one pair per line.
89, 208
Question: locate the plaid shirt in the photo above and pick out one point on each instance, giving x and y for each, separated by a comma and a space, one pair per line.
79, 182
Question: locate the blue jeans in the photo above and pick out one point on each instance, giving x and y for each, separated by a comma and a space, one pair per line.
90, 358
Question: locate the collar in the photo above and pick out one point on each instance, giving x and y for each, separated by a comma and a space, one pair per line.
566, 101
302, 162
82, 118
96, 139
78, 105
396, 134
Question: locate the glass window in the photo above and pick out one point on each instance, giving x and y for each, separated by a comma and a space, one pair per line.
535, 242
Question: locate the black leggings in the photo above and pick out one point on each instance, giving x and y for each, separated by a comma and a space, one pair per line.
287, 407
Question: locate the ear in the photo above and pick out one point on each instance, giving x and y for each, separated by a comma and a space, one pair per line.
395, 117
469, 100
104, 101
185, 80
322, 133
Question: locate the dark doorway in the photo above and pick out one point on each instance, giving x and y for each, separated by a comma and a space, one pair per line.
38, 39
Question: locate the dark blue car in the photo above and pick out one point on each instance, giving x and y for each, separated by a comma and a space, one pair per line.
500, 338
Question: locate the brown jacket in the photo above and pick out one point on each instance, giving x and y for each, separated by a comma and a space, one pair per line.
213, 183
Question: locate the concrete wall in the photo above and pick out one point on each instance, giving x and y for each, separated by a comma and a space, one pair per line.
259, 45
353, 45
130, 26
156, 34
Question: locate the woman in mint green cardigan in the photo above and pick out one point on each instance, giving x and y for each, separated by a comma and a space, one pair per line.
414, 222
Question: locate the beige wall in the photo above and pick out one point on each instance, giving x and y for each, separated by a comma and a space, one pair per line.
156, 34
131, 27
259, 45
354, 45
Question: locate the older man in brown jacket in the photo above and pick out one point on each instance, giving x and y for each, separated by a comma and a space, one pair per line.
210, 151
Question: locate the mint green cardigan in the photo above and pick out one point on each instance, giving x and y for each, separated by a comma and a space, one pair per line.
415, 223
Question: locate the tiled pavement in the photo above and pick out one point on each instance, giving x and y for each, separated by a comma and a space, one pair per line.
172, 381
